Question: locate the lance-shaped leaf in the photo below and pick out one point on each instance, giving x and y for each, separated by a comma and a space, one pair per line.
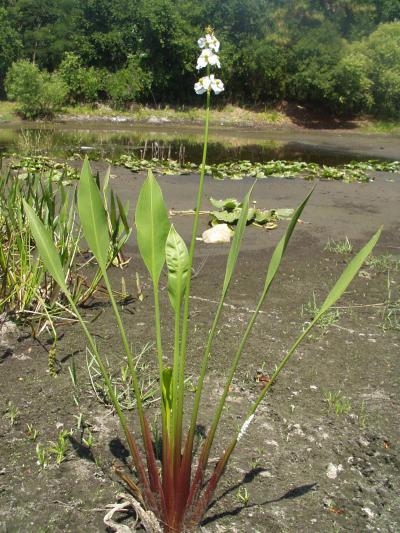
45, 245
93, 216
152, 226
351, 270
177, 258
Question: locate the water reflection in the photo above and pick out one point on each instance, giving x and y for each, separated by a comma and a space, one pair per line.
180, 145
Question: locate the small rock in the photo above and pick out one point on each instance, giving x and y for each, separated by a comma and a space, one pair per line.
332, 471
368, 512
363, 441
218, 234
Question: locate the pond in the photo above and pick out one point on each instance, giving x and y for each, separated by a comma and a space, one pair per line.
184, 143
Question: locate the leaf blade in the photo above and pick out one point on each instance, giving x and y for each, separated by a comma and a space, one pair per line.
93, 216
177, 259
152, 226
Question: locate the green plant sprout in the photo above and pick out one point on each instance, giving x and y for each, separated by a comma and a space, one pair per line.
243, 496
178, 493
12, 413
31, 432
337, 402
339, 247
310, 310
41, 454
60, 446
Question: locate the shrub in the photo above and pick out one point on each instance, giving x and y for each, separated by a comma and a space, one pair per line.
84, 84
128, 84
352, 91
39, 94
383, 49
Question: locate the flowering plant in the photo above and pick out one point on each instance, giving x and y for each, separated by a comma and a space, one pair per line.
178, 494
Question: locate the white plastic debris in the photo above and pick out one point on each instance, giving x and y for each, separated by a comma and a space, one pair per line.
217, 234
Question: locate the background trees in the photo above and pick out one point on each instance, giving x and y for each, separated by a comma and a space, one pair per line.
342, 55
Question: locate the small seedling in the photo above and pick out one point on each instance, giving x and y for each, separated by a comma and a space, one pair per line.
79, 420
89, 440
31, 433
391, 311
311, 309
60, 447
41, 454
12, 413
383, 263
339, 247
362, 416
243, 496
72, 373
337, 402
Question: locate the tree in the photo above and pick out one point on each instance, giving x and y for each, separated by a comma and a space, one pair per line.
10, 46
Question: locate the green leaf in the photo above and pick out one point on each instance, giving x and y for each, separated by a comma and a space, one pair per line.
227, 216
236, 242
46, 247
152, 226
280, 248
284, 213
177, 258
350, 271
262, 217
93, 216
228, 203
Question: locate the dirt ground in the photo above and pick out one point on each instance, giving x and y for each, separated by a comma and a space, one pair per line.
301, 466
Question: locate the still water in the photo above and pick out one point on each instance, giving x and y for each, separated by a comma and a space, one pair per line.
181, 143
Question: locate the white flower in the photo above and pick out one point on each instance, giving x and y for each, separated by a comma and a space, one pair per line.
209, 41
207, 83
207, 57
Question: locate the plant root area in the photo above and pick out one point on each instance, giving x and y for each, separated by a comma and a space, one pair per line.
322, 453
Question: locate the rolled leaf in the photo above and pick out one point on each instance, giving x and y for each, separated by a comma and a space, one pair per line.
45, 245
93, 216
177, 258
152, 226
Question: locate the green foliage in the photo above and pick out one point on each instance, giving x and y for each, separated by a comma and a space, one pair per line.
337, 55
352, 87
10, 46
84, 84
38, 94
128, 84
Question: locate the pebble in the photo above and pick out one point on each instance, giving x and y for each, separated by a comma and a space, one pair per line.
368, 512
332, 471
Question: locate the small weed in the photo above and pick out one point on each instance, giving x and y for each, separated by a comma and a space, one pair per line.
12, 413
383, 263
243, 496
31, 433
391, 311
123, 384
337, 402
60, 447
42, 456
339, 247
362, 416
310, 310
89, 440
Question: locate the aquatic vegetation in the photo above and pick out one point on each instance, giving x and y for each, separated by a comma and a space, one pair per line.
230, 209
237, 170
179, 492
25, 288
